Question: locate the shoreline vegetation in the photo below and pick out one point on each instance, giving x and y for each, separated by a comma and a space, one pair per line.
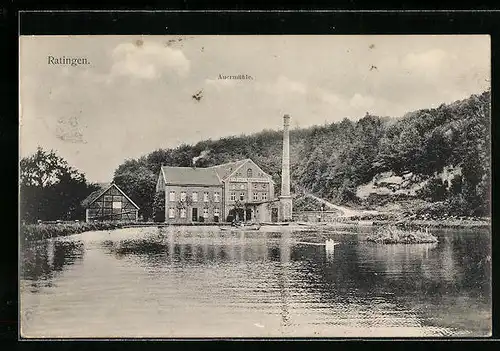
40, 231
395, 235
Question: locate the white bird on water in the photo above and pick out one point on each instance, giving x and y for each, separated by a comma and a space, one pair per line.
330, 243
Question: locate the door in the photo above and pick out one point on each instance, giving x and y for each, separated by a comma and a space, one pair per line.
194, 216
249, 214
274, 215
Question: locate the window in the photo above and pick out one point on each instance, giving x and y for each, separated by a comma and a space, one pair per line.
216, 197
194, 196
183, 196
108, 201
205, 197
264, 185
242, 196
205, 213
117, 204
255, 196
249, 173
233, 196
255, 185
264, 196
183, 213
216, 212
238, 174
171, 196
171, 212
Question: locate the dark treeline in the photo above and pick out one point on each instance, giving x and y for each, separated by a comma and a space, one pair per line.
50, 189
334, 159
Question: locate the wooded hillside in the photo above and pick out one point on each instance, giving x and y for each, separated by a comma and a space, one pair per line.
333, 160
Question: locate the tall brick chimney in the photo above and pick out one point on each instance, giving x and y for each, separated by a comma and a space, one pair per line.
285, 197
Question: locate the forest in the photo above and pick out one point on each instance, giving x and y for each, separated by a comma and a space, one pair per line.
330, 161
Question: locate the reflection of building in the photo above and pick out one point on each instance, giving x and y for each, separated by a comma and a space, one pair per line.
238, 189
110, 203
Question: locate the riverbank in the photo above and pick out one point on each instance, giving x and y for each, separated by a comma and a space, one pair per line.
30, 232
438, 223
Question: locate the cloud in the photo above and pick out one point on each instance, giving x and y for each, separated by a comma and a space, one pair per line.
219, 83
282, 86
361, 102
148, 60
329, 98
428, 60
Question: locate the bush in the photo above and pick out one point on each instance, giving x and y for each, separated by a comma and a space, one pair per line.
434, 190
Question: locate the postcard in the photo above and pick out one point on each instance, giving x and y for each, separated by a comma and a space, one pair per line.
255, 186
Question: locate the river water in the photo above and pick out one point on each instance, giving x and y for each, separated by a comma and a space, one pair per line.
194, 282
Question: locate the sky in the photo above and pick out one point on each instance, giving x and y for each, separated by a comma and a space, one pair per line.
136, 93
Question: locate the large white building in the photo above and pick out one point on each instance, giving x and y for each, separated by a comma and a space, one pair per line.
220, 193
235, 190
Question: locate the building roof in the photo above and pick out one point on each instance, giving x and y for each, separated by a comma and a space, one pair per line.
224, 170
89, 200
92, 197
101, 188
190, 176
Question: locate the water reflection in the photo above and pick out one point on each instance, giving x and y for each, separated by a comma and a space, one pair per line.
253, 283
283, 277
42, 260
330, 252
188, 249
433, 281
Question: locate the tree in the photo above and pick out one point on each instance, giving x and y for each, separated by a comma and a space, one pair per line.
139, 182
434, 190
50, 188
159, 207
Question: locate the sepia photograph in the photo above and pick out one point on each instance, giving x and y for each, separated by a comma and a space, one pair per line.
255, 186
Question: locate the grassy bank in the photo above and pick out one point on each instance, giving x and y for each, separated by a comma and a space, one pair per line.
437, 223
402, 219
52, 230
394, 235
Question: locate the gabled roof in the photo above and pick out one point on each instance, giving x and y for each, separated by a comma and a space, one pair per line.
89, 200
92, 197
226, 169
190, 176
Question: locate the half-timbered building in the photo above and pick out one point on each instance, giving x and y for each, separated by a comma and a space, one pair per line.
110, 203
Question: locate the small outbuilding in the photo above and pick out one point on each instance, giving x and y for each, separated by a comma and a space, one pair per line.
110, 203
